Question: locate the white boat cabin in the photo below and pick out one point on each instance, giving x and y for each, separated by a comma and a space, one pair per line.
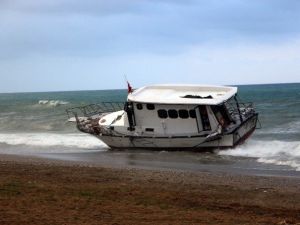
173, 110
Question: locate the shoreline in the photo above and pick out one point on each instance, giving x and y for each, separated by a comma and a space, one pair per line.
177, 161
44, 191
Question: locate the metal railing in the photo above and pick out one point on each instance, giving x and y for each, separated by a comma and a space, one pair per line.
94, 109
245, 108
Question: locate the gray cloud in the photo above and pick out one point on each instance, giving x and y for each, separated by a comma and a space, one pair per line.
101, 27
66, 44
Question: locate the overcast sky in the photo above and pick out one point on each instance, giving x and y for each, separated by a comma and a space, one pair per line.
50, 45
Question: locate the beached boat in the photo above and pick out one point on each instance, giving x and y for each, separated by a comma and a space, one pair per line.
170, 117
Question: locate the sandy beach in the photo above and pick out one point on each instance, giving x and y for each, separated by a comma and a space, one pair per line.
44, 191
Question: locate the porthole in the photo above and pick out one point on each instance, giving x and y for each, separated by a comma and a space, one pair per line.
150, 106
173, 114
192, 113
183, 114
162, 113
139, 106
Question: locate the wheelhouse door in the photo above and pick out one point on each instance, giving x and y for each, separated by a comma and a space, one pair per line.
128, 108
203, 123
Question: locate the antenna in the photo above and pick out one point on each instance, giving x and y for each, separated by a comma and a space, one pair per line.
125, 77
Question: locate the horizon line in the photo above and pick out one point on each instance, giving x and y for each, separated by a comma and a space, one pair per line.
111, 89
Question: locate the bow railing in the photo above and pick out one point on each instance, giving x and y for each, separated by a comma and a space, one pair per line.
94, 109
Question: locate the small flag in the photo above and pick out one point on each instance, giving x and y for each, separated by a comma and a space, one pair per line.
129, 88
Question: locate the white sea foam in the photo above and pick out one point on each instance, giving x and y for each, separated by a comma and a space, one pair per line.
71, 140
52, 102
7, 114
274, 152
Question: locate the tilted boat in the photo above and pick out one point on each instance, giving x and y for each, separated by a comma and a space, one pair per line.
170, 117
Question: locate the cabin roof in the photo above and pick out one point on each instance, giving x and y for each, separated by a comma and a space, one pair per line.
183, 94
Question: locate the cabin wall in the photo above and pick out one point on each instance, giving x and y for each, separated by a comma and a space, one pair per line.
148, 121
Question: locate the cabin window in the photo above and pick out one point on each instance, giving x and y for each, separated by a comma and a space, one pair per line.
204, 117
149, 129
150, 106
139, 106
221, 114
173, 114
162, 113
192, 113
183, 114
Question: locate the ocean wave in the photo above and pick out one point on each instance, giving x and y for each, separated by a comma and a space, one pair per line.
52, 102
274, 152
79, 141
5, 114
288, 128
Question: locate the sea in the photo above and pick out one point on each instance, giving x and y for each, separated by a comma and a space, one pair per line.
35, 124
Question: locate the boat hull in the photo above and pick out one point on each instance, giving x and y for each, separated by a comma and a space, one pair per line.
235, 137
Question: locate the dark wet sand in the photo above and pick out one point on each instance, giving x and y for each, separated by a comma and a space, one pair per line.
44, 191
